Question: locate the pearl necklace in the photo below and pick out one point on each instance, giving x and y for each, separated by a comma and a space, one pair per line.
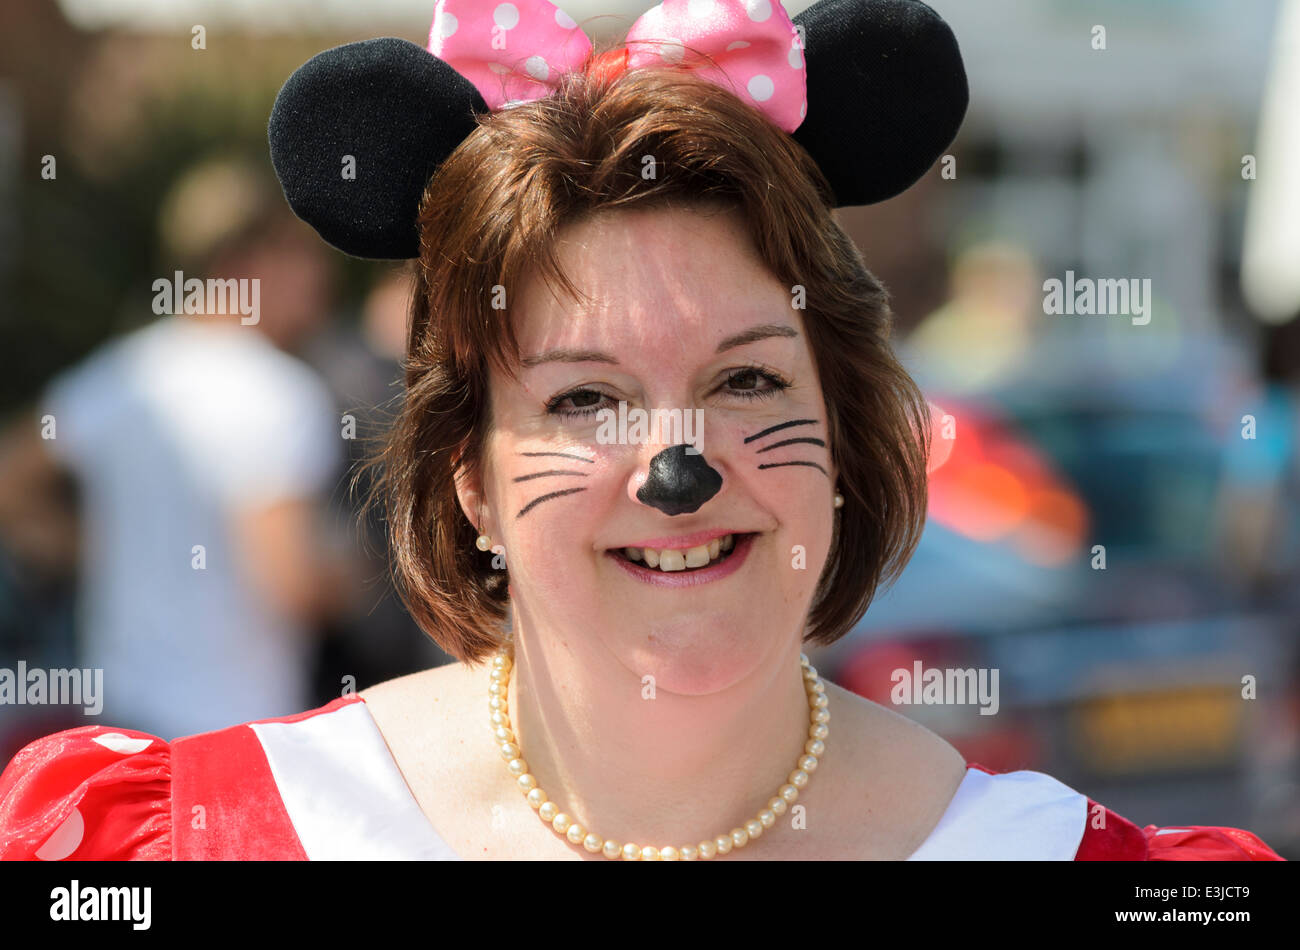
738, 837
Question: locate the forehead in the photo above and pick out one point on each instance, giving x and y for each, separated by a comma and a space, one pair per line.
662, 279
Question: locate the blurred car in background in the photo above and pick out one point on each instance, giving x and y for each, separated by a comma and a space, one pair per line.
1075, 545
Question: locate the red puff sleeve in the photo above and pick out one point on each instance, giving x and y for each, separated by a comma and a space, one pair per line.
1108, 836
1206, 843
88, 794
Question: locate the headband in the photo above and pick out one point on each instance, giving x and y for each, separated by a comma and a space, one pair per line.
874, 90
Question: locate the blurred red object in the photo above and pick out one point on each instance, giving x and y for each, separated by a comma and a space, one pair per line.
990, 484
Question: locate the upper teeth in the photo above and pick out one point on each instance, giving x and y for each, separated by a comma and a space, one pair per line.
670, 559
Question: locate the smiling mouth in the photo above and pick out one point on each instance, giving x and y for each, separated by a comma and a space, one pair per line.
672, 560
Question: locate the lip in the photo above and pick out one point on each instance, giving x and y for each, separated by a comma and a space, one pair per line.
679, 542
679, 579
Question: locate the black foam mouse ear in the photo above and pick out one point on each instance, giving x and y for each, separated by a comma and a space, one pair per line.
397, 111
886, 94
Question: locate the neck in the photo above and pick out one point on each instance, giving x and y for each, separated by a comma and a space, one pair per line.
667, 770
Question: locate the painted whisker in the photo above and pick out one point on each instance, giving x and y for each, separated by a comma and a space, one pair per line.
779, 426
562, 455
524, 478
777, 445
537, 501
781, 464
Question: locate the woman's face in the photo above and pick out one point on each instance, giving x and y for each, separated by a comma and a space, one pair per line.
684, 316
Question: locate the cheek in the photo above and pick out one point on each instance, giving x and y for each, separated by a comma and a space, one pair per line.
550, 499
802, 542
782, 471
794, 504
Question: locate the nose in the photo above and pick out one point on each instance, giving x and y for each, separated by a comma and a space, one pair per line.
679, 482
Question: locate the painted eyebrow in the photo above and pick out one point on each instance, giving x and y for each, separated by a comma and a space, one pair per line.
752, 335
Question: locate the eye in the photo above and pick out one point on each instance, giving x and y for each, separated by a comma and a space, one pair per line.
587, 402
746, 382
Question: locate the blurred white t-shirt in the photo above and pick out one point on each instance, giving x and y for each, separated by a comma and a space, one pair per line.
170, 431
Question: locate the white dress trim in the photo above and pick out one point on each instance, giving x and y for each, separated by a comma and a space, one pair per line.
347, 800
343, 791
1011, 816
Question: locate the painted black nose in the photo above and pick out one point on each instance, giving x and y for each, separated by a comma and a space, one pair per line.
679, 482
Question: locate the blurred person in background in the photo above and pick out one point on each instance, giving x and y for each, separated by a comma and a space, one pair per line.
202, 452
983, 333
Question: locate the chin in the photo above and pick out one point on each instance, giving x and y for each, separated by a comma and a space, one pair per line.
700, 654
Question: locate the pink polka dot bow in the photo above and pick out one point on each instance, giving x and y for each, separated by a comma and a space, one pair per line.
517, 51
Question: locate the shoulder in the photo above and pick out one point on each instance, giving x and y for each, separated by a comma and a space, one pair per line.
428, 688
1029, 815
99, 374
420, 714
921, 764
184, 356
887, 777
979, 813
104, 363
906, 743
265, 367
89, 396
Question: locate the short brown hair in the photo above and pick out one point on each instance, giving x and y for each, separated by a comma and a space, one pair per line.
491, 213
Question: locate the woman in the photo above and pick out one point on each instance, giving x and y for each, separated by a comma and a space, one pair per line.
629, 604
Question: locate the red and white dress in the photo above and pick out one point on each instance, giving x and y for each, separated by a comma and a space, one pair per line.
322, 785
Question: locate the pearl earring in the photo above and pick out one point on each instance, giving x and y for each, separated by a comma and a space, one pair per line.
483, 542
839, 500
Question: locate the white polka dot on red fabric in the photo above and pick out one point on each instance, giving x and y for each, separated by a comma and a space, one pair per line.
65, 840
499, 68
117, 742
506, 16
536, 67
758, 10
671, 50
761, 88
447, 24
795, 57
565, 20
699, 9
738, 44
803, 111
